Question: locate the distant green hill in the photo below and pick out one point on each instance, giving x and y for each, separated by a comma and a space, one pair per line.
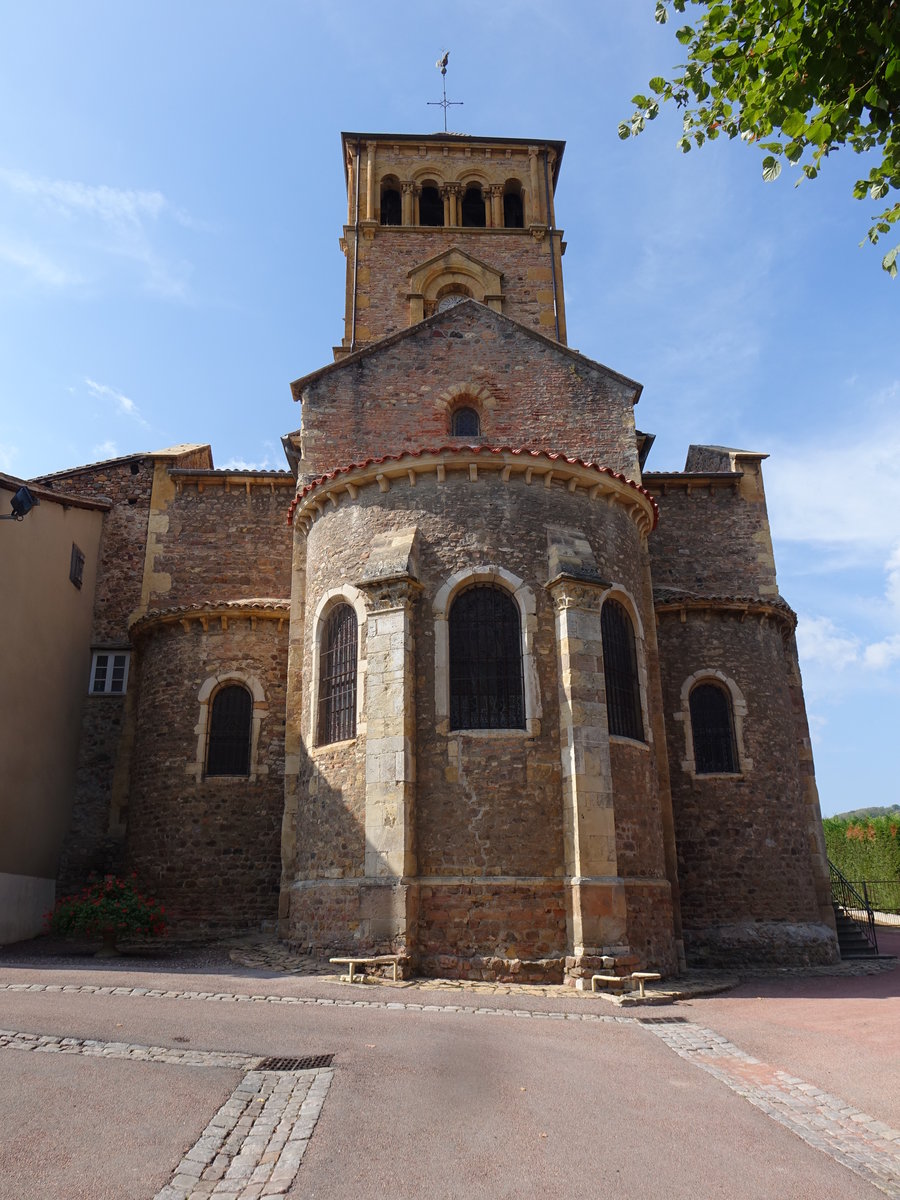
855, 814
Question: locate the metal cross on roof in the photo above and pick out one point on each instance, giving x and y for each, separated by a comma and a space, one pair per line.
441, 65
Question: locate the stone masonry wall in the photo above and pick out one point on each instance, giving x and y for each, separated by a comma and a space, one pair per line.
127, 483
712, 539
209, 848
744, 864
488, 807
386, 254
224, 541
529, 393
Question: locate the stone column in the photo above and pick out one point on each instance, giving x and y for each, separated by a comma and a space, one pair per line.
496, 193
455, 190
388, 898
408, 197
445, 196
370, 181
537, 206
596, 910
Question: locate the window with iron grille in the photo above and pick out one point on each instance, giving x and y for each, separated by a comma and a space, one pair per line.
337, 677
486, 687
465, 423
623, 689
712, 730
230, 721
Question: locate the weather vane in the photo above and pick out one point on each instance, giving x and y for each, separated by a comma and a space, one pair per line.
441, 65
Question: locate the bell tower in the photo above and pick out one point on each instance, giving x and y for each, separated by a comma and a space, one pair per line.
436, 218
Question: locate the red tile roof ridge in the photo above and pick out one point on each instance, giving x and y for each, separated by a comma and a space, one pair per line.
552, 455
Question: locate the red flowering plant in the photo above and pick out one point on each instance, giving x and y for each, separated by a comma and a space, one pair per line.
111, 908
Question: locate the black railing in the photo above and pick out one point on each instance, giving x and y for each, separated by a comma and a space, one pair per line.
853, 904
884, 897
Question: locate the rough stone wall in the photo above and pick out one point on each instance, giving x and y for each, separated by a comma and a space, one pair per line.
745, 869
529, 393
488, 807
712, 539
208, 848
224, 541
387, 253
89, 845
127, 483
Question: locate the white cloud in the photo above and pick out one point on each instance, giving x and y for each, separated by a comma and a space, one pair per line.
34, 263
125, 404
240, 464
820, 641
105, 450
90, 223
841, 493
8, 456
881, 655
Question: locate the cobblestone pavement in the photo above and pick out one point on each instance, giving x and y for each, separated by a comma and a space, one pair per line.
247, 1152
253, 1145
865, 1146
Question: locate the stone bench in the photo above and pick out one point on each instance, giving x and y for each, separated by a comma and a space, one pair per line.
365, 960
636, 977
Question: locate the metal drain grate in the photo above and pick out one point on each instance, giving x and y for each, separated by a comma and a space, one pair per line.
310, 1063
662, 1020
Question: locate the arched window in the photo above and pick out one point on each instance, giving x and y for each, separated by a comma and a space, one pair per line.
486, 689
431, 206
712, 730
465, 423
391, 206
513, 209
623, 689
473, 208
230, 723
337, 677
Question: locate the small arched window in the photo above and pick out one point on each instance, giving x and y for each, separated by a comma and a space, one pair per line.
473, 216
391, 206
712, 730
486, 688
465, 423
623, 689
230, 725
513, 210
431, 206
337, 677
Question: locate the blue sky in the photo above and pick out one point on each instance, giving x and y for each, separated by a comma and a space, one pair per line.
171, 196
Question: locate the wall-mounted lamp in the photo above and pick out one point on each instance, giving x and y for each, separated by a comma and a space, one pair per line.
22, 503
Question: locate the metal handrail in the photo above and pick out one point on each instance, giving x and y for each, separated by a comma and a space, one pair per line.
846, 897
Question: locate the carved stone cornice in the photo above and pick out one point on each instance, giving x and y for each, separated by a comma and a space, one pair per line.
391, 594
569, 591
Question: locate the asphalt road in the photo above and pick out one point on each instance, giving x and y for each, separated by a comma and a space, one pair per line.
441, 1104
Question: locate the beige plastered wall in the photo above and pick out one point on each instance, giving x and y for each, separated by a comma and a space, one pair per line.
45, 626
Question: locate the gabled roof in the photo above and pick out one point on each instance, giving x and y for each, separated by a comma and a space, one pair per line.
448, 317
169, 452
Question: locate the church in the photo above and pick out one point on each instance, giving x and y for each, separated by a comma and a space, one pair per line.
468, 683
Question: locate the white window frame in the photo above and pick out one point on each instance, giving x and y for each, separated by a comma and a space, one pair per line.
109, 670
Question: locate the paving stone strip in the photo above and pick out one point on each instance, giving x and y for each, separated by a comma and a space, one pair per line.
242, 998
252, 1147
864, 1145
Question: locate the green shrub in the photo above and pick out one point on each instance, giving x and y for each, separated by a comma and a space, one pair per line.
864, 849
106, 906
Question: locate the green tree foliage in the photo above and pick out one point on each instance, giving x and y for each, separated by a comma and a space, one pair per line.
866, 849
800, 78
